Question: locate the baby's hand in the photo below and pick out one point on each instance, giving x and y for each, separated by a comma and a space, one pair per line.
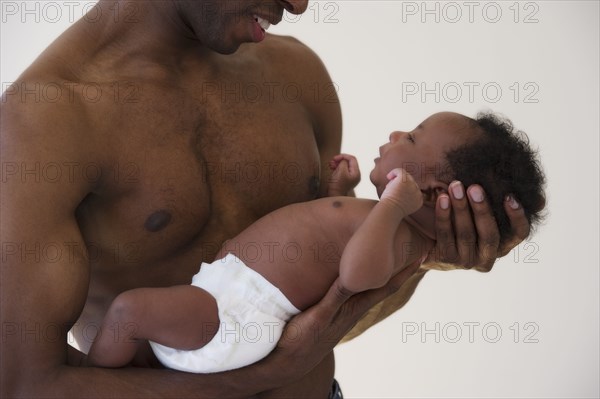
345, 175
403, 191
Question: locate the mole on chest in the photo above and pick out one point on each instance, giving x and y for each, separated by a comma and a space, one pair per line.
157, 221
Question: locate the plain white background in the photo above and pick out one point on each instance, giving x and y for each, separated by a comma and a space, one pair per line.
530, 328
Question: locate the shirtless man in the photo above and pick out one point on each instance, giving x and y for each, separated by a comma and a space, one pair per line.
176, 147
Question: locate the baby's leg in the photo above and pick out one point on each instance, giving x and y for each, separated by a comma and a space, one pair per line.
181, 317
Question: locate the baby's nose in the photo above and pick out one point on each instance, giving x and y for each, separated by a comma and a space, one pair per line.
395, 136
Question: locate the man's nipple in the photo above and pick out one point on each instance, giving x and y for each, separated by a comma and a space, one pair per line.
157, 221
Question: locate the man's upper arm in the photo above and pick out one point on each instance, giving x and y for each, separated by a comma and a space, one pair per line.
44, 272
321, 100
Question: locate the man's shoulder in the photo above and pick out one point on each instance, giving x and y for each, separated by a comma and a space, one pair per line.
288, 44
293, 53
42, 110
39, 94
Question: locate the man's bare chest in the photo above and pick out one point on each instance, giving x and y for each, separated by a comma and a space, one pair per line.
189, 170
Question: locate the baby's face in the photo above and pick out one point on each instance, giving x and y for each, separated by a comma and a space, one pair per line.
422, 153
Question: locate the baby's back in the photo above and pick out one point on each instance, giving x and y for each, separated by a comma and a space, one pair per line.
298, 247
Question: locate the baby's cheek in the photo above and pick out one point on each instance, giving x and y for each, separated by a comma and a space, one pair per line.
414, 169
424, 173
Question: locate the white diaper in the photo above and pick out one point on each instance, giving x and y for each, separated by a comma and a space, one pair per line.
252, 314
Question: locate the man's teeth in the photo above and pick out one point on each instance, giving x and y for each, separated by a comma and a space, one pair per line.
262, 22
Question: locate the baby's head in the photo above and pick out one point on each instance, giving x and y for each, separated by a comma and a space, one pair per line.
485, 151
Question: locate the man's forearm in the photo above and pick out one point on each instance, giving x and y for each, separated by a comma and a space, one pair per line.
315, 384
78, 382
388, 306
132, 382
266, 379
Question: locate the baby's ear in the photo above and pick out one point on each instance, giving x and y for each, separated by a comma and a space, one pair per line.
431, 194
428, 198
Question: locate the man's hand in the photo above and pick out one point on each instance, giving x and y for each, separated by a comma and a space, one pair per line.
467, 232
313, 334
345, 175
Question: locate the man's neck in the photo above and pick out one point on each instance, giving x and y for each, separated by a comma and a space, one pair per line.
138, 35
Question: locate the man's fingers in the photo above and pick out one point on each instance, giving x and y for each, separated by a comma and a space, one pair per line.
335, 314
339, 310
336, 296
331, 303
488, 236
466, 238
341, 307
445, 249
518, 223
318, 320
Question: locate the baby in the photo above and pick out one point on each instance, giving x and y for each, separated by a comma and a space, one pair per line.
235, 310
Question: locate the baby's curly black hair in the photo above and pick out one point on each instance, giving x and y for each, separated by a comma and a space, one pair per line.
503, 163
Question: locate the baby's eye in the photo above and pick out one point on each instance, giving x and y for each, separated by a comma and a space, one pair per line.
411, 138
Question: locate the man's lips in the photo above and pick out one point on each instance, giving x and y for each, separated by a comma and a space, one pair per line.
264, 23
267, 19
259, 28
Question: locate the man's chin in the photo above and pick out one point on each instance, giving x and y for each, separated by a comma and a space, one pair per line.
227, 50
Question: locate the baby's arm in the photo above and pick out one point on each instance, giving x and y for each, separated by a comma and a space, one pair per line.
371, 254
182, 317
345, 175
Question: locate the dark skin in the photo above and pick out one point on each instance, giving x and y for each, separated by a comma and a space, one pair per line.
156, 173
178, 316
